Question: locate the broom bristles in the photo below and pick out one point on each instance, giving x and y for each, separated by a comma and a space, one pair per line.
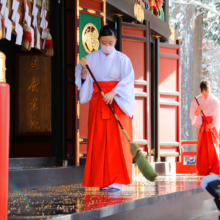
49, 46
134, 149
146, 169
27, 39
27, 36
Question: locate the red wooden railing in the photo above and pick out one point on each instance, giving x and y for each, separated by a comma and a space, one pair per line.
181, 167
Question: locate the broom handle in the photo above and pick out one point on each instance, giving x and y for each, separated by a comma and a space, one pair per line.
207, 121
112, 110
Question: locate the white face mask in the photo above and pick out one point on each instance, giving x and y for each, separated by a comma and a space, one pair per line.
107, 49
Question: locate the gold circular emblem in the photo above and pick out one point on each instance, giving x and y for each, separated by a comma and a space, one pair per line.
90, 37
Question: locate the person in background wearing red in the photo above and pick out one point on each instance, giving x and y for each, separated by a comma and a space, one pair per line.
207, 149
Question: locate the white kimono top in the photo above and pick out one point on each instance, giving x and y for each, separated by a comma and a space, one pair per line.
114, 67
210, 107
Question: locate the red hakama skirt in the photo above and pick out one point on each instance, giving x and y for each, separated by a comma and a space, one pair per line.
109, 159
207, 158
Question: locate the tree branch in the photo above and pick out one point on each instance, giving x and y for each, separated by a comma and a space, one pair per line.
199, 4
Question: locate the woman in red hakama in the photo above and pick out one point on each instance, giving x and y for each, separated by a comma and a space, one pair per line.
207, 149
207, 155
109, 160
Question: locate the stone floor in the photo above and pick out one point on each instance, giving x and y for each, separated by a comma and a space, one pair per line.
214, 215
64, 200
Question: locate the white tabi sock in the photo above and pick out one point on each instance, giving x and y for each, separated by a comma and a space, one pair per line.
116, 186
105, 188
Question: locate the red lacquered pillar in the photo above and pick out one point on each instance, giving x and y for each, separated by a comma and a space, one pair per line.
4, 139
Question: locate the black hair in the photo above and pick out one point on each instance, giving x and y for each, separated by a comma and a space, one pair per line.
107, 30
204, 85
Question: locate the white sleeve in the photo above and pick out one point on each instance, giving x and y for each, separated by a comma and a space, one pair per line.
125, 87
196, 121
86, 89
216, 115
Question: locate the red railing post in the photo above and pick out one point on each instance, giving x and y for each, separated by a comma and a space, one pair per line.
4, 139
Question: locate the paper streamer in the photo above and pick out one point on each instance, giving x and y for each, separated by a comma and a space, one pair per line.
38, 40
18, 29
6, 11
3, 7
34, 13
9, 29
15, 6
19, 34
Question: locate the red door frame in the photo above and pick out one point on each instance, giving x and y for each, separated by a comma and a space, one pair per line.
139, 33
169, 98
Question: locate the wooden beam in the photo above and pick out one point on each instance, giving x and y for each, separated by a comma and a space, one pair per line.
126, 8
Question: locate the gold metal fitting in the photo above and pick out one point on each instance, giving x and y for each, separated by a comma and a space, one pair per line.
2, 67
153, 152
157, 36
119, 15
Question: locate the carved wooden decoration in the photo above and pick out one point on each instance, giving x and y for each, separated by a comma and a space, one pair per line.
34, 94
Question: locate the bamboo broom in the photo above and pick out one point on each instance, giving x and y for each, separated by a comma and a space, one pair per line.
27, 37
141, 161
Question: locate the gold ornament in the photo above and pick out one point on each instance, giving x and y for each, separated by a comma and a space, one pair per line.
2, 67
91, 11
90, 38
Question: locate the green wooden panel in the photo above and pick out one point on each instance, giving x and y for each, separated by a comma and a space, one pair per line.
83, 20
